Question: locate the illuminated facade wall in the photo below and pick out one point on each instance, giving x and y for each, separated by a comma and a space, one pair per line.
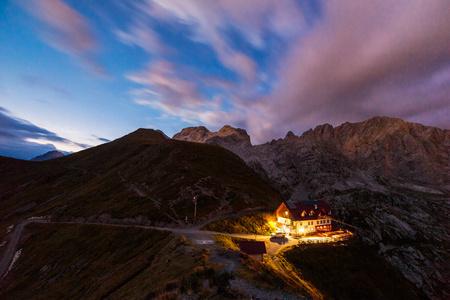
301, 227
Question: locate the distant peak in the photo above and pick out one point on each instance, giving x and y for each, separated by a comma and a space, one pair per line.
227, 129
290, 135
197, 134
48, 155
201, 134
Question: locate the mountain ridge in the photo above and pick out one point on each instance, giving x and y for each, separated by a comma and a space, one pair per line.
388, 177
356, 141
140, 174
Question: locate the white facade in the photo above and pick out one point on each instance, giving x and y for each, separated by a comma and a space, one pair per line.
301, 227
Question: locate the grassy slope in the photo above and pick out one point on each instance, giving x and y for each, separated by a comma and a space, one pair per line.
92, 262
253, 224
349, 270
267, 275
139, 174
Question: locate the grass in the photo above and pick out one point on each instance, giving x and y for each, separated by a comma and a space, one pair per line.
94, 262
228, 242
267, 275
261, 224
349, 270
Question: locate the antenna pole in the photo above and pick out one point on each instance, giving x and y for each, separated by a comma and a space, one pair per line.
195, 209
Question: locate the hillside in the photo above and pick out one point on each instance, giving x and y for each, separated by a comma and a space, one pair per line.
96, 262
386, 176
140, 178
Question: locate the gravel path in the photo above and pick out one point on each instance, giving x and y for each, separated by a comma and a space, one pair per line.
199, 237
10, 250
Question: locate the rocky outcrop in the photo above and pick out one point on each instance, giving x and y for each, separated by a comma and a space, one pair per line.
47, 156
235, 139
393, 148
387, 176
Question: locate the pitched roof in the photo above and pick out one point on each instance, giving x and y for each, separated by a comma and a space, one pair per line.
253, 247
318, 208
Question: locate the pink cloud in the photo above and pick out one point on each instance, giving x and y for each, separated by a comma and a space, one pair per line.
141, 35
365, 58
175, 94
163, 78
67, 30
209, 19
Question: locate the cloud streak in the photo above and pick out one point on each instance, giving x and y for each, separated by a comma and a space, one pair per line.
210, 21
66, 30
167, 89
37, 82
366, 58
22, 139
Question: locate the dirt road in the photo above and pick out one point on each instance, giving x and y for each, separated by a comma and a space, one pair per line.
8, 254
194, 234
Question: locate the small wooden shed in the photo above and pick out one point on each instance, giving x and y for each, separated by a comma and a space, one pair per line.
253, 248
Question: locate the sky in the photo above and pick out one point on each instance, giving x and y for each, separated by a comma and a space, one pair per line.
75, 74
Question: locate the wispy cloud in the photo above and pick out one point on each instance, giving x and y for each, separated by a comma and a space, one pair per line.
210, 21
103, 140
365, 58
166, 89
22, 139
38, 82
66, 30
142, 35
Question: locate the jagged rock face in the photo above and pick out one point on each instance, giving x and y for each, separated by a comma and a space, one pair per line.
387, 176
234, 139
193, 134
47, 156
392, 147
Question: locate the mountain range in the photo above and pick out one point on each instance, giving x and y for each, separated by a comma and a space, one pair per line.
388, 177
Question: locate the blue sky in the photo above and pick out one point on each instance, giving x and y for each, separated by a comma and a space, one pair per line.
74, 74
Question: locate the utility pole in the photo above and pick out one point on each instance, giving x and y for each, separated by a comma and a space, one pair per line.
195, 209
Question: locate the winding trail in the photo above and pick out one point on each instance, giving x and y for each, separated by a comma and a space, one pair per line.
192, 232
11, 247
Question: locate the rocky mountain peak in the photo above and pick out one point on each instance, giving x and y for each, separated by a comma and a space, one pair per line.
290, 135
227, 137
197, 134
239, 132
48, 155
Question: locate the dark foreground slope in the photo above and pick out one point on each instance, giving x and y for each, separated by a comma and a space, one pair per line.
77, 261
349, 270
143, 177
